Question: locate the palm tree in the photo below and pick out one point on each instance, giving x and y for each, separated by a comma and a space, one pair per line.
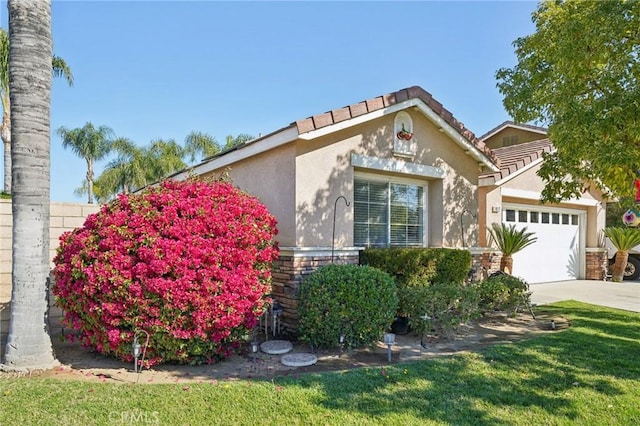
509, 242
29, 346
202, 143
622, 239
89, 143
127, 172
233, 141
60, 69
164, 157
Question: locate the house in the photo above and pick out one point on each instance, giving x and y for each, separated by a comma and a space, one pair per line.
401, 170
568, 235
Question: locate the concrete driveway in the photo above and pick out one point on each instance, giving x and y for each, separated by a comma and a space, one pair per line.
624, 295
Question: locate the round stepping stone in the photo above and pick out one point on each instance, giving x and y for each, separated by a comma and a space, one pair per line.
276, 347
299, 360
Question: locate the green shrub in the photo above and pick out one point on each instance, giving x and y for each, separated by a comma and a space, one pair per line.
418, 267
358, 302
503, 292
442, 307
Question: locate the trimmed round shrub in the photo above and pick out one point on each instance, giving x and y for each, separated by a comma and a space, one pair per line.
357, 302
188, 262
503, 292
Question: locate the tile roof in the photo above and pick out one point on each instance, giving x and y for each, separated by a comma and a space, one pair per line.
415, 92
515, 157
513, 124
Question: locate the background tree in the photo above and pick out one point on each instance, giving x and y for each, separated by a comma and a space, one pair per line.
200, 143
89, 143
233, 141
578, 74
28, 345
125, 173
164, 157
60, 69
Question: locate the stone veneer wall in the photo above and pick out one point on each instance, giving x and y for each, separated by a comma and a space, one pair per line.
597, 264
291, 268
63, 217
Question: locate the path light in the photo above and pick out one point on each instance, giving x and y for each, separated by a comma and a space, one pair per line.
389, 340
276, 314
137, 349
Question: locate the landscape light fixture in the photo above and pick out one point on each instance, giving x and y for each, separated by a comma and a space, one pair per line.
138, 349
389, 340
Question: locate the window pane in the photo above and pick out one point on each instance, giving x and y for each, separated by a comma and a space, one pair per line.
533, 217
522, 215
511, 215
545, 217
388, 214
555, 218
574, 219
565, 219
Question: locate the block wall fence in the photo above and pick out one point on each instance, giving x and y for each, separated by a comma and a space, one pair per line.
63, 217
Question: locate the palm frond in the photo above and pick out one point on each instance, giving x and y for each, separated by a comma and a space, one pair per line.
623, 238
510, 240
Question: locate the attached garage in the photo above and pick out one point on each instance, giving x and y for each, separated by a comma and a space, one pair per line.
559, 252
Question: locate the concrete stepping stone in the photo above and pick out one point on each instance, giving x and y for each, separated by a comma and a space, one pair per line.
299, 360
276, 347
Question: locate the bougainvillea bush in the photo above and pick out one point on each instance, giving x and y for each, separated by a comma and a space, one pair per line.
188, 262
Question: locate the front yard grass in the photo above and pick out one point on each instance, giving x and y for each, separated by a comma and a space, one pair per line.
588, 374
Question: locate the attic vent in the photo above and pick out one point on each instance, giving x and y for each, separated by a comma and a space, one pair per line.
404, 141
510, 140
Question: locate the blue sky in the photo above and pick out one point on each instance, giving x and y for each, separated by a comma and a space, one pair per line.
160, 69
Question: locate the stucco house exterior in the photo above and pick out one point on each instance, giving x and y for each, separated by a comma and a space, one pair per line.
401, 170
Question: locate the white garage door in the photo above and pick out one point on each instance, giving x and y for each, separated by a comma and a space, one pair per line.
557, 254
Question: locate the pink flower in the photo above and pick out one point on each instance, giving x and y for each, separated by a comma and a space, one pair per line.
189, 260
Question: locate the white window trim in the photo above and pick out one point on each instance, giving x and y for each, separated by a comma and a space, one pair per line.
407, 181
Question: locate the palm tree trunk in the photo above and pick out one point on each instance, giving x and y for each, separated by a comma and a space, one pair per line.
28, 345
617, 274
5, 133
506, 264
90, 181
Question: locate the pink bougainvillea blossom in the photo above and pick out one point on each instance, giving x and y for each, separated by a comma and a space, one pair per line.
189, 262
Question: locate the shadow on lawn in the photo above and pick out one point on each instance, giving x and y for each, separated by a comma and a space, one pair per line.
467, 389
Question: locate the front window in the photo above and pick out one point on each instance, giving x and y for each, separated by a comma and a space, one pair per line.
388, 214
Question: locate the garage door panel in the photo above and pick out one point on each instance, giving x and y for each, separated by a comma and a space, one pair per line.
555, 256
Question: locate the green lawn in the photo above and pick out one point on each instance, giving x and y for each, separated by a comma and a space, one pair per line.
588, 374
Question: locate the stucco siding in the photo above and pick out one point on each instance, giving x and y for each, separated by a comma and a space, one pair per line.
324, 172
322, 175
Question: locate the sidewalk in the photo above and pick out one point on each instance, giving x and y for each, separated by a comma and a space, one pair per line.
624, 295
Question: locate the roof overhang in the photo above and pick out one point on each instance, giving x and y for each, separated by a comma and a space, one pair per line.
419, 105
532, 129
251, 148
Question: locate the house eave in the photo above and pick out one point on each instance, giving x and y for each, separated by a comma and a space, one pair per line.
255, 147
421, 106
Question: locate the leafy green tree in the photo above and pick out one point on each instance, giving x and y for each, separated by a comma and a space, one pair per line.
509, 241
233, 141
200, 143
127, 172
164, 157
623, 239
28, 345
60, 69
90, 143
579, 75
